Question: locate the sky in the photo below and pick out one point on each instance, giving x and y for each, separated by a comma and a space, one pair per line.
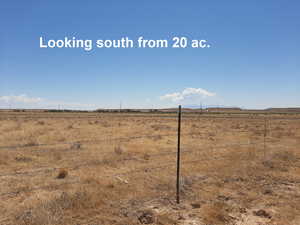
253, 60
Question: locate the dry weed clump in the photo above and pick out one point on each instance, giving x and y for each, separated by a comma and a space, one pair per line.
84, 202
118, 150
69, 127
54, 211
262, 213
41, 123
215, 213
45, 214
22, 158
146, 156
158, 127
146, 217
156, 138
194, 126
31, 142
76, 146
116, 160
62, 173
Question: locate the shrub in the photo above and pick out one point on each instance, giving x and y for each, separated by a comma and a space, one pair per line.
62, 174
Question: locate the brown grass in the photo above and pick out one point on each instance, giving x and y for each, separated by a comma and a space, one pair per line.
215, 214
131, 181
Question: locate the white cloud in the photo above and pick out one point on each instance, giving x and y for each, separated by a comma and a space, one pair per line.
19, 99
24, 101
187, 93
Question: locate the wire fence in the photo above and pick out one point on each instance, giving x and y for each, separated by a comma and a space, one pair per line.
97, 141
263, 134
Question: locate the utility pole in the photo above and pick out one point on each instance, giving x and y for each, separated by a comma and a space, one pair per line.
201, 108
120, 106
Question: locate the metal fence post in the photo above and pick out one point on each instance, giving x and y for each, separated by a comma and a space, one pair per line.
178, 157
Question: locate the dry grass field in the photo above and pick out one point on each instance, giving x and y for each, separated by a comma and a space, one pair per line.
120, 169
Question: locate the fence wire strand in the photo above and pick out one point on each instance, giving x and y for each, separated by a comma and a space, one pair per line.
147, 169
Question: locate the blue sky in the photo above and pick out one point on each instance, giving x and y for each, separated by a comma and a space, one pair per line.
253, 62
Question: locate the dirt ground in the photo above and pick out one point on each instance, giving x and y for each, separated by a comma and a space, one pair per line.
120, 169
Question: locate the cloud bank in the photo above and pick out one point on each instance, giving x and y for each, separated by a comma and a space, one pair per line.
24, 101
19, 99
187, 94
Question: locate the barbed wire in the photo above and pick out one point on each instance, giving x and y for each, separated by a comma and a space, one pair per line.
94, 141
147, 169
75, 182
93, 163
47, 169
86, 141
